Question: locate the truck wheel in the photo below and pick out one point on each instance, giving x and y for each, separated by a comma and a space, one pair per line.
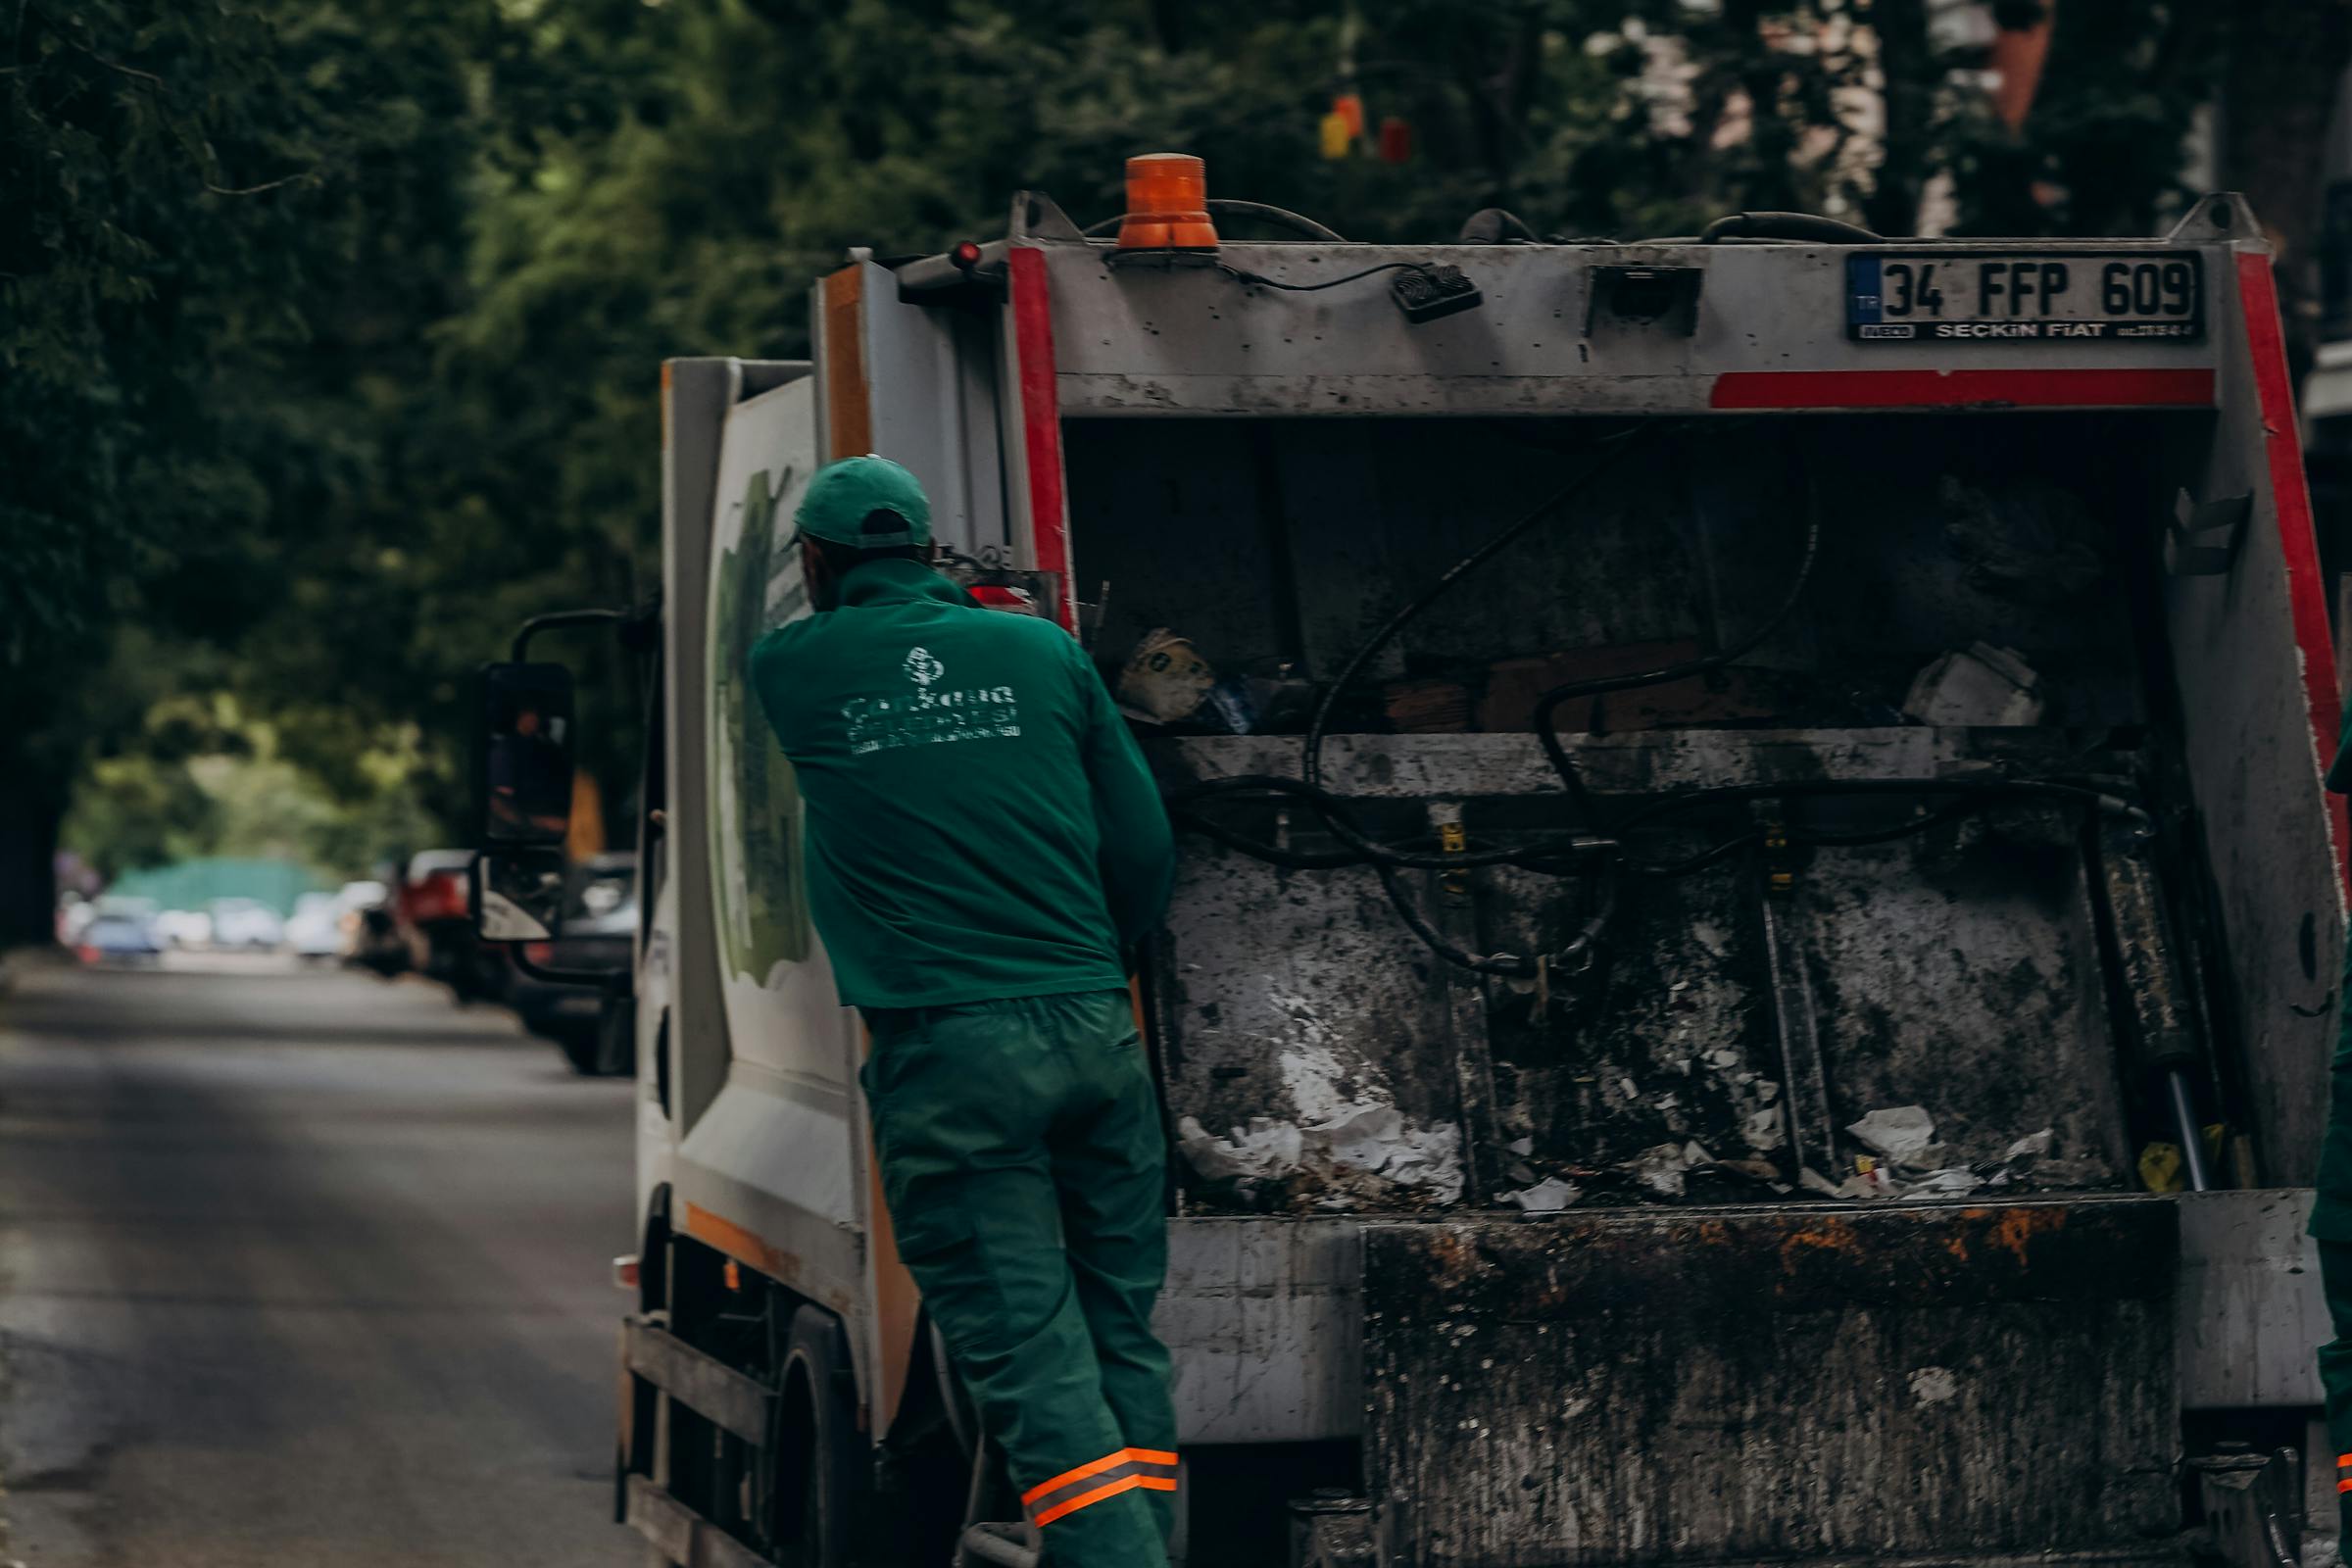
579, 1048
819, 1454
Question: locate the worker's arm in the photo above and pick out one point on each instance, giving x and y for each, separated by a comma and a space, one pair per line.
1138, 856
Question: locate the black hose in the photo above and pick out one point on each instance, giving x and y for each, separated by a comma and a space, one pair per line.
1311, 759
1264, 212
1799, 226
1587, 809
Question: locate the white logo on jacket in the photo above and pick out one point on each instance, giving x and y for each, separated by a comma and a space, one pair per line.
929, 718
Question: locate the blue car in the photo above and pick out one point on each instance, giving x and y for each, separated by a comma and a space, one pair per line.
120, 939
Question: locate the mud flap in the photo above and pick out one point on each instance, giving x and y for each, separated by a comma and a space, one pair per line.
1953, 1383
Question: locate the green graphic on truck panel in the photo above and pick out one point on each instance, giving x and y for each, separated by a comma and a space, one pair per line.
762, 903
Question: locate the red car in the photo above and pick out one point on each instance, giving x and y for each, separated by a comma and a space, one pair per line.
433, 914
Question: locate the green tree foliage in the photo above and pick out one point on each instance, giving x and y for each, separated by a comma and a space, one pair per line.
331, 330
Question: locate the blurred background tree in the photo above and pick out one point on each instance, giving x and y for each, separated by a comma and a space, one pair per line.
332, 330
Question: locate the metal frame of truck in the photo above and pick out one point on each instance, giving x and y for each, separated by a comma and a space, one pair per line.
754, 1173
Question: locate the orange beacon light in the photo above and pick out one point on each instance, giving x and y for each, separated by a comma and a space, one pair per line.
1168, 204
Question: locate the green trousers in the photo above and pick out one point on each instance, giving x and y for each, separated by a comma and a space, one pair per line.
2335, 1371
1021, 1157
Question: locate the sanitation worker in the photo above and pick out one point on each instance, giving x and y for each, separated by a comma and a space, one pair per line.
2331, 1212
982, 838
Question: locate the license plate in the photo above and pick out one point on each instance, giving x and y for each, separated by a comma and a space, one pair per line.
579, 1006
1955, 296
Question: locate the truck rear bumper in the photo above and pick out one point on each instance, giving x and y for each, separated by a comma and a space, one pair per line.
1955, 1383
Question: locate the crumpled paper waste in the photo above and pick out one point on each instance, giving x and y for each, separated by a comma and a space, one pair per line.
1662, 1167
1911, 1165
1898, 1134
1362, 1140
1547, 1197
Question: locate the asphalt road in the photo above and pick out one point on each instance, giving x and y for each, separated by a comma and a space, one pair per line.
302, 1269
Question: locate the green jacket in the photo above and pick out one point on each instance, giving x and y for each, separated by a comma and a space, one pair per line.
980, 824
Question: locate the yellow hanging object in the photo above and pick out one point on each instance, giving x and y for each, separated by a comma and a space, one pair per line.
2160, 1168
1336, 136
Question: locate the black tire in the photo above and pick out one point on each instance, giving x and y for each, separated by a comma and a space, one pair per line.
579, 1049
821, 1458
617, 1037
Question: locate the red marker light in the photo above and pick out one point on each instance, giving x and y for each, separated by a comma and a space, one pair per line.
965, 255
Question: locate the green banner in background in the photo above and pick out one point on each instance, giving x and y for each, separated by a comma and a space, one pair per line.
192, 884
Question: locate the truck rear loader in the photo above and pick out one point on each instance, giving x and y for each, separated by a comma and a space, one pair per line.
1757, 948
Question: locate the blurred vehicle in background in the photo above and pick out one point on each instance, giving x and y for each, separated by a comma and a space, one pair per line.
73, 917
122, 934
432, 910
375, 939
315, 930
247, 924
598, 935
184, 928
353, 900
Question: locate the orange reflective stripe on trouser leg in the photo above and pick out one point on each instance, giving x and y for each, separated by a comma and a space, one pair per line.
1126, 1470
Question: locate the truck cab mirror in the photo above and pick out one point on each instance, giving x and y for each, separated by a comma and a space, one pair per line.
527, 754
518, 893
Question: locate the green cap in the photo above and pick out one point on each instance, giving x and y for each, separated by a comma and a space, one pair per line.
842, 500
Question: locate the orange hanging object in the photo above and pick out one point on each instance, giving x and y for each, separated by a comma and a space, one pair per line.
1396, 140
1349, 108
1168, 204
1335, 140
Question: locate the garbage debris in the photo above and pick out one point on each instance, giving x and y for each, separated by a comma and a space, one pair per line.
1547, 1197
1909, 1164
1165, 680
1662, 1167
1980, 684
1900, 1133
1358, 1154
2160, 1168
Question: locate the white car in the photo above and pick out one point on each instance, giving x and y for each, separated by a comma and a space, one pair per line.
246, 923
315, 930
184, 928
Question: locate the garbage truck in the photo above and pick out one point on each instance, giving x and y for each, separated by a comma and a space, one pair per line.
1755, 952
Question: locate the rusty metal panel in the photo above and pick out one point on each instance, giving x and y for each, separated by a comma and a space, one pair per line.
1735, 1385
1962, 973
1291, 1002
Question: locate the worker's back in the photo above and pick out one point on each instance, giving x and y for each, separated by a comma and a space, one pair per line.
979, 823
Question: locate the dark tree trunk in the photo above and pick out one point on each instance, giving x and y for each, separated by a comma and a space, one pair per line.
32, 805
1908, 61
2285, 60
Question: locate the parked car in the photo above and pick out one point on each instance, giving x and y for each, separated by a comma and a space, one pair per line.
73, 917
353, 900
120, 936
599, 933
432, 910
247, 924
315, 930
184, 928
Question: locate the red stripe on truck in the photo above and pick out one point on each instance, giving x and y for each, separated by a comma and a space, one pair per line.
1958, 389
2290, 500
1041, 423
